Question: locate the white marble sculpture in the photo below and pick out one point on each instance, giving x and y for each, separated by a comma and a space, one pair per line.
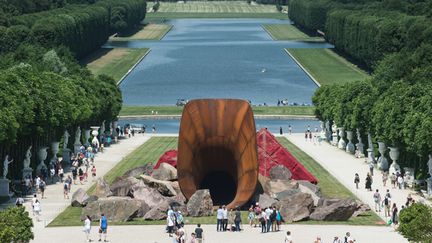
334, 135
350, 146
342, 143
27, 159
360, 145
430, 165
6, 163
382, 160
394, 155
66, 136
87, 137
78, 136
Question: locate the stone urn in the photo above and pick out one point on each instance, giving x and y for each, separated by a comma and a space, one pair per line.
95, 133
87, 137
55, 150
350, 146
360, 145
370, 156
394, 155
334, 135
341, 143
382, 160
42, 155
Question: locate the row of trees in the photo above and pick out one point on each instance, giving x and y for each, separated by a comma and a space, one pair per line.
81, 28
395, 106
366, 31
43, 92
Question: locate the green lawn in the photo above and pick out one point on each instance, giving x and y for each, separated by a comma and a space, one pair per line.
114, 62
288, 32
258, 110
145, 32
326, 66
154, 148
213, 9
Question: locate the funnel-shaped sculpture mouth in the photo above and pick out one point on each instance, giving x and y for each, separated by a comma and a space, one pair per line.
217, 150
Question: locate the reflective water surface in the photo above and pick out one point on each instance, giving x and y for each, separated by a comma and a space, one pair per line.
217, 58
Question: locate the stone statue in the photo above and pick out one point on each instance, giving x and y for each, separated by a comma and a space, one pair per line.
430, 165
27, 158
6, 163
66, 136
78, 136
360, 145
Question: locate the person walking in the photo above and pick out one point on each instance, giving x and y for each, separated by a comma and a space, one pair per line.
377, 200
368, 184
262, 219
87, 228
225, 218
394, 214
384, 178
400, 181
37, 209
268, 213
93, 171
66, 190
103, 227
280, 131
290, 129
278, 219
199, 233
371, 168
356, 180
251, 216
42, 186
386, 204
219, 219
34, 199
237, 219
393, 180
193, 238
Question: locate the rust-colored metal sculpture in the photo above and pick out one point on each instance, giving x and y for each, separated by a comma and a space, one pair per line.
217, 150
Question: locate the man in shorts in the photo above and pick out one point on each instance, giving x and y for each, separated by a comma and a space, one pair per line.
103, 225
199, 233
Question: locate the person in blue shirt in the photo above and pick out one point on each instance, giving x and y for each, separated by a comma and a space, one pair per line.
103, 226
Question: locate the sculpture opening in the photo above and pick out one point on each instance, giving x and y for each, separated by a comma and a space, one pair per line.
217, 150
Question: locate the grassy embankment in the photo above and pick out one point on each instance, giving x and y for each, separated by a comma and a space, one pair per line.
326, 66
258, 110
114, 62
145, 32
213, 9
155, 147
289, 32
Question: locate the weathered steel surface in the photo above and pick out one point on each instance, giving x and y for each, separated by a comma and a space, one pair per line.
218, 135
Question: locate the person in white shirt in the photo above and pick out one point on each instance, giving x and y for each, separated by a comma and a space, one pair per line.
225, 217
37, 183
219, 218
87, 228
288, 237
34, 199
268, 212
37, 209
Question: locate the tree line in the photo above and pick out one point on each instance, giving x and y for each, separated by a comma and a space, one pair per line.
395, 105
81, 28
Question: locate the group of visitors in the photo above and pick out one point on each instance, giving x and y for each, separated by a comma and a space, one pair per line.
336, 239
176, 230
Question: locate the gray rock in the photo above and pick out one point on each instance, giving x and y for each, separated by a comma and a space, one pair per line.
266, 201
341, 210
165, 172
361, 209
144, 208
272, 187
176, 187
283, 195
157, 213
102, 189
307, 190
79, 198
124, 186
314, 188
327, 201
280, 172
91, 198
164, 187
296, 208
148, 195
200, 204
146, 169
118, 209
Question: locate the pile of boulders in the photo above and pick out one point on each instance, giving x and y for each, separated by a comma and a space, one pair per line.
148, 194
141, 193
300, 200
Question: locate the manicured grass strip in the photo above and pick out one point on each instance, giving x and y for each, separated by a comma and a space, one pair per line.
114, 62
258, 110
326, 66
158, 16
213, 7
146, 32
330, 186
288, 32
